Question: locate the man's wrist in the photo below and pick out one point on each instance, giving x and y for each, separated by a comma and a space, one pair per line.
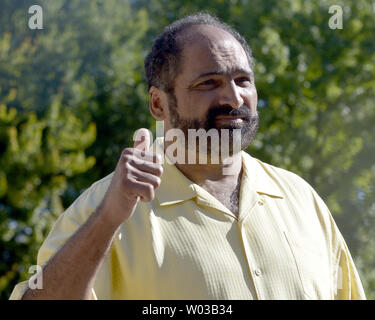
111, 216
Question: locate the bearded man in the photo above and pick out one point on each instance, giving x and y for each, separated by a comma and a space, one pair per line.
158, 229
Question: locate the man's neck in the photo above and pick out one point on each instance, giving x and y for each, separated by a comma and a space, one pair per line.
221, 180
227, 170
214, 178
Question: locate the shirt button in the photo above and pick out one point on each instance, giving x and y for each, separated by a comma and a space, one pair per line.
258, 272
261, 202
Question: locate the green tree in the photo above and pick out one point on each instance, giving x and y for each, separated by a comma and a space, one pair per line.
316, 104
37, 157
91, 54
80, 75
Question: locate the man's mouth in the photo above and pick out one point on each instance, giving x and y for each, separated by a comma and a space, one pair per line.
232, 119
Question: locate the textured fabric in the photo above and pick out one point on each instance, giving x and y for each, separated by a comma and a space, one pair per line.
186, 245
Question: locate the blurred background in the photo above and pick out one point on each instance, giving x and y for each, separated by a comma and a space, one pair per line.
73, 93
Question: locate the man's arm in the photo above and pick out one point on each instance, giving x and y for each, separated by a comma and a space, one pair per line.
70, 274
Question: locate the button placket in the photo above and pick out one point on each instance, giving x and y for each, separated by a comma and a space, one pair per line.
257, 271
246, 210
248, 259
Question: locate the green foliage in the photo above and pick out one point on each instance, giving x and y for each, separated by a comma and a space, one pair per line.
35, 164
84, 70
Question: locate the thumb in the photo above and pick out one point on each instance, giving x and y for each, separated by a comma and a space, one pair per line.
142, 139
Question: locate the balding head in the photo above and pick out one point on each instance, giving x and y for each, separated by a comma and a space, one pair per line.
207, 47
163, 63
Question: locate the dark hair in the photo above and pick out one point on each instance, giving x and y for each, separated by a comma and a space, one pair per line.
162, 64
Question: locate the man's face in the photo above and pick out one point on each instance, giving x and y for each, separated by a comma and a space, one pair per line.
215, 88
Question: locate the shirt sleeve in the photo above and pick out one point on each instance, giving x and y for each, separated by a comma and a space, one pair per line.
19, 290
65, 226
348, 284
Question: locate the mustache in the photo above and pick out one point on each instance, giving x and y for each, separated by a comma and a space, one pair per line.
226, 110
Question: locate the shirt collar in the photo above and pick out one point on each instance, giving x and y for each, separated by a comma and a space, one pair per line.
260, 176
175, 187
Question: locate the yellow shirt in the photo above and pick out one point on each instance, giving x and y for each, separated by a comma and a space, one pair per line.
186, 245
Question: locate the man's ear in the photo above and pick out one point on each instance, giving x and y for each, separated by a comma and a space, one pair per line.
158, 103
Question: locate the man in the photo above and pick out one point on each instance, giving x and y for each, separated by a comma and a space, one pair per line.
188, 230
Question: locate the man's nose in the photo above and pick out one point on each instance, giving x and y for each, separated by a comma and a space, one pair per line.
231, 95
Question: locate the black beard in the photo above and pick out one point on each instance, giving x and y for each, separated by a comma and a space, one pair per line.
248, 127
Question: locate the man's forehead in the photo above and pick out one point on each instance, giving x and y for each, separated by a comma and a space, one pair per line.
205, 32
209, 49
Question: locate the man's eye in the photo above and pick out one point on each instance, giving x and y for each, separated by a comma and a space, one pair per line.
207, 83
243, 79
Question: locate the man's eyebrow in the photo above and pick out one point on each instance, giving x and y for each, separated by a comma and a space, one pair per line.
248, 72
